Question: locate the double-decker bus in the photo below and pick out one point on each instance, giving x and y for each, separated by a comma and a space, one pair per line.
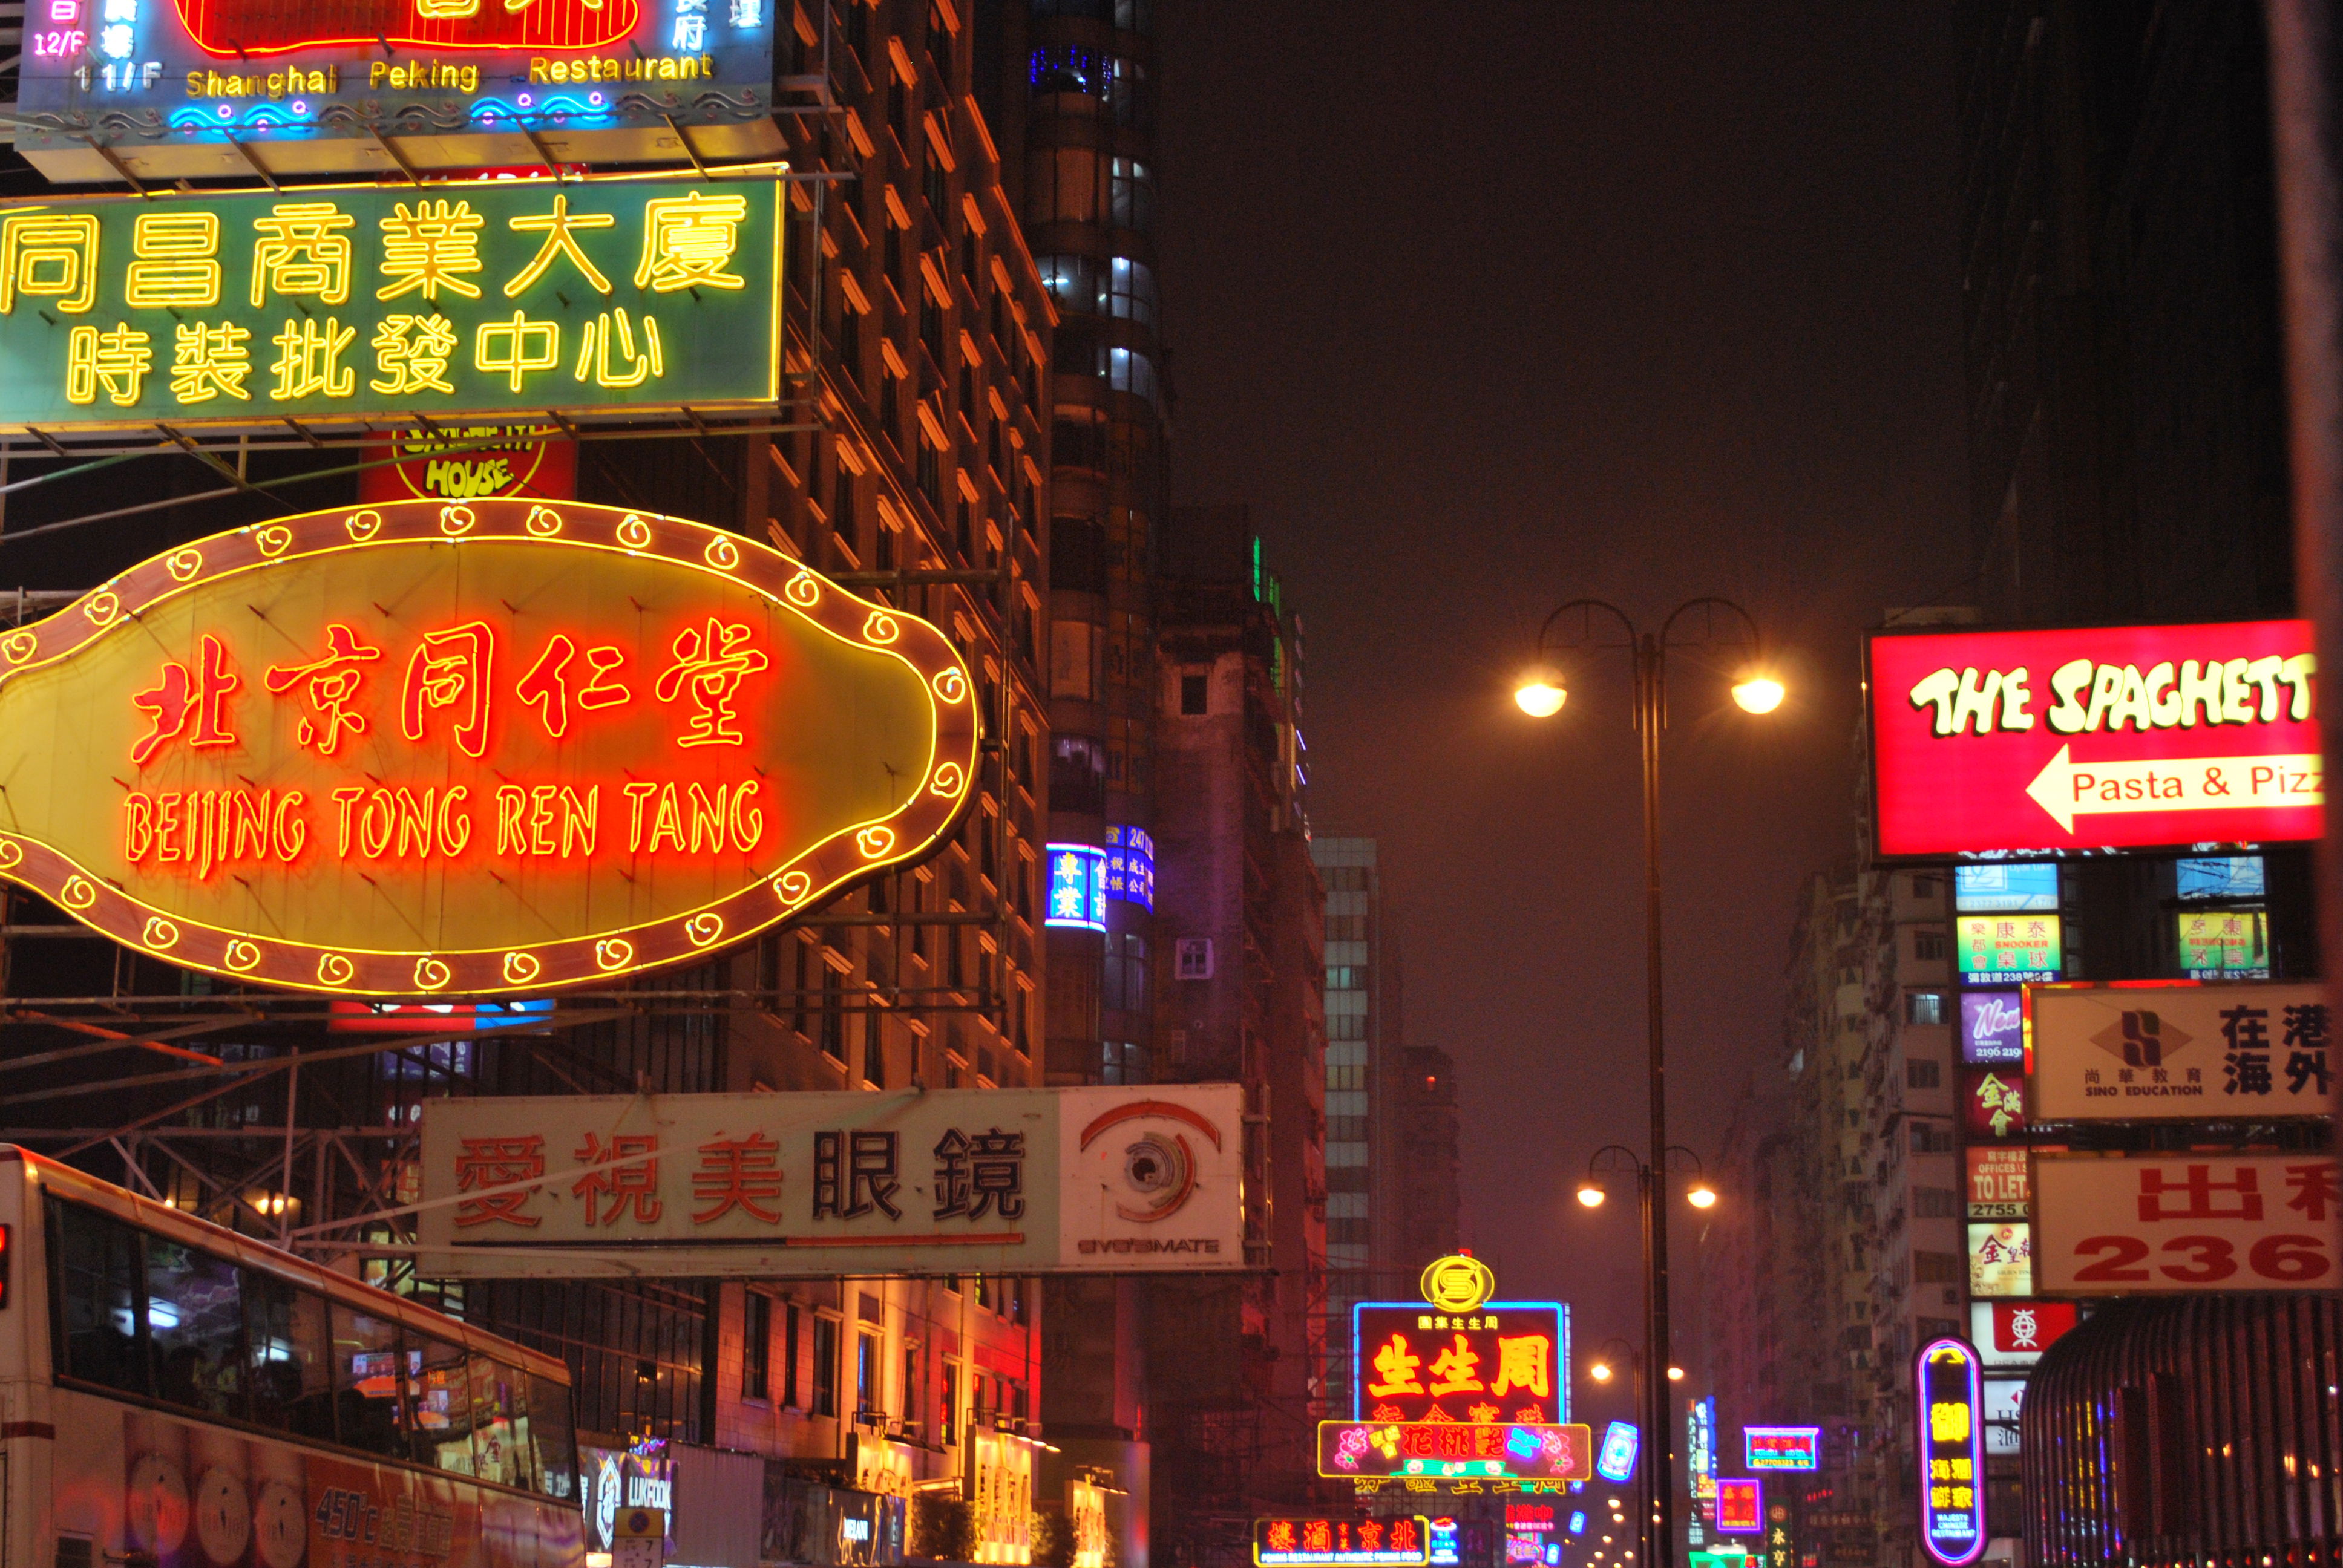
173, 1395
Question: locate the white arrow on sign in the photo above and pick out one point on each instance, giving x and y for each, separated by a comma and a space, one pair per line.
2068, 790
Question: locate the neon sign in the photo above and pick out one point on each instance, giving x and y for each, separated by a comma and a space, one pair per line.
1950, 1406
350, 301
1621, 1442
315, 82
1455, 1450
411, 748
1341, 1542
1077, 887
1782, 1447
1131, 866
1740, 1506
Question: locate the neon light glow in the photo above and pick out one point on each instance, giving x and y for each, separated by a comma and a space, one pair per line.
1621, 1443
1077, 888
334, 734
1950, 1411
1341, 1543
1740, 1506
1131, 866
1782, 1447
1455, 1450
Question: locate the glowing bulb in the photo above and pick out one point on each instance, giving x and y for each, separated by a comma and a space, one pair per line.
1540, 697
1599, 1371
1591, 1195
1675, 1374
1759, 694
1702, 1196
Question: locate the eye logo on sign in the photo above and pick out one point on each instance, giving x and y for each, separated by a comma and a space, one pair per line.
1159, 1166
1458, 1283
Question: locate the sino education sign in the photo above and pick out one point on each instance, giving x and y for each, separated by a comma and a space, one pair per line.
2177, 1051
414, 749
346, 303
2114, 737
212, 88
1021, 1181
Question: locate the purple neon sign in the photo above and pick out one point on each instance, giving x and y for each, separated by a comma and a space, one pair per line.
1950, 1406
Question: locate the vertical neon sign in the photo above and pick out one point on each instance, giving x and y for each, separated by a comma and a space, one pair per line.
1949, 1405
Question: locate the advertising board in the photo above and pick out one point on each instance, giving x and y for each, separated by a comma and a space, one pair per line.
494, 748
1455, 1450
352, 302
1989, 742
1782, 1447
2149, 1224
1993, 1103
2175, 1050
1341, 1542
471, 463
195, 89
1015, 1181
1077, 892
1993, 1031
1740, 1505
1621, 1441
1949, 1409
2015, 1333
2001, 1259
2009, 949
1997, 1187
2223, 944
1502, 1361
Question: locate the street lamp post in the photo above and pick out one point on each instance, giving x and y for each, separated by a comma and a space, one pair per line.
1542, 696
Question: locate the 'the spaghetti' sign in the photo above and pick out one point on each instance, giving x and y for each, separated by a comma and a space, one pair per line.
417, 749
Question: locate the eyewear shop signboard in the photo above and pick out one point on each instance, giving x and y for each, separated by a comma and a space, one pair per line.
210, 88
1075, 1180
2113, 737
342, 302
463, 750
2178, 1052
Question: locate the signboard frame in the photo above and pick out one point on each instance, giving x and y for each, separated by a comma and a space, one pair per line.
2117, 1071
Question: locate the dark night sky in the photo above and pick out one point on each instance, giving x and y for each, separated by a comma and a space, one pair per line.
1483, 306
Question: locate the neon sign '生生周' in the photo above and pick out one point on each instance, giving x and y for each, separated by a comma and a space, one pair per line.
422, 749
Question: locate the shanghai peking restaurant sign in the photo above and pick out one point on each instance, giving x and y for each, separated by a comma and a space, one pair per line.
347, 303
2138, 737
508, 746
209, 88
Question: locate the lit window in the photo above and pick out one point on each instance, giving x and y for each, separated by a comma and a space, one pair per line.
1131, 290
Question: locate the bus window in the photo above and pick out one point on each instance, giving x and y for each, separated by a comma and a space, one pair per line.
366, 1382
195, 1321
499, 1424
443, 1403
96, 1267
292, 1374
549, 1435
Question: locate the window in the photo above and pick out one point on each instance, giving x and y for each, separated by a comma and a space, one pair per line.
1921, 1073
370, 1412
1927, 1139
1125, 987
757, 1347
867, 1392
1936, 1203
1927, 1007
1131, 196
841, 502
1121, 1061
442, 1404
874, 1052
292, 1367
1924, 887
1193, 695
1126, 93
833, 1015
195, 1324
1067, 69
947, 1420
1131, 290
825, 1367
1928, 945
1347, 977
499, 1421
1936, 1268
97, 1264
551, 1435
789, 1358
1077, 774
1072, 281
911, 1389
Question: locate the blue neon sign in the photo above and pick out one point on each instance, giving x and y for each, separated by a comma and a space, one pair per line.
1077, 887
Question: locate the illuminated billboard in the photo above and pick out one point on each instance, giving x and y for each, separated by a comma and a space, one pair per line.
1782, 1447
1077, 887
1341, 1542
502, 748
1503, 1361
1949, 1407
1991, 742
1455, 1450
2009, 950
1131, 866
2176, 1050
347, 302
1740, 1506
1992, 1029
1617, 1461
200, 89
2164, 1223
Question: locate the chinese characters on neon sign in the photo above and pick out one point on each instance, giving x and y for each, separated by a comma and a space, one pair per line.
1077, 888
1782, 1447
346, 301
1949, 1409
1504, 1362
1131, 866
1340, 1542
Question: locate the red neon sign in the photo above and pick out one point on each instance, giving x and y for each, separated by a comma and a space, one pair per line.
418, 748
236, 29
2117, 737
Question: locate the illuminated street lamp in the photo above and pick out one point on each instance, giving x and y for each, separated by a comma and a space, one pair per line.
1755, 691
